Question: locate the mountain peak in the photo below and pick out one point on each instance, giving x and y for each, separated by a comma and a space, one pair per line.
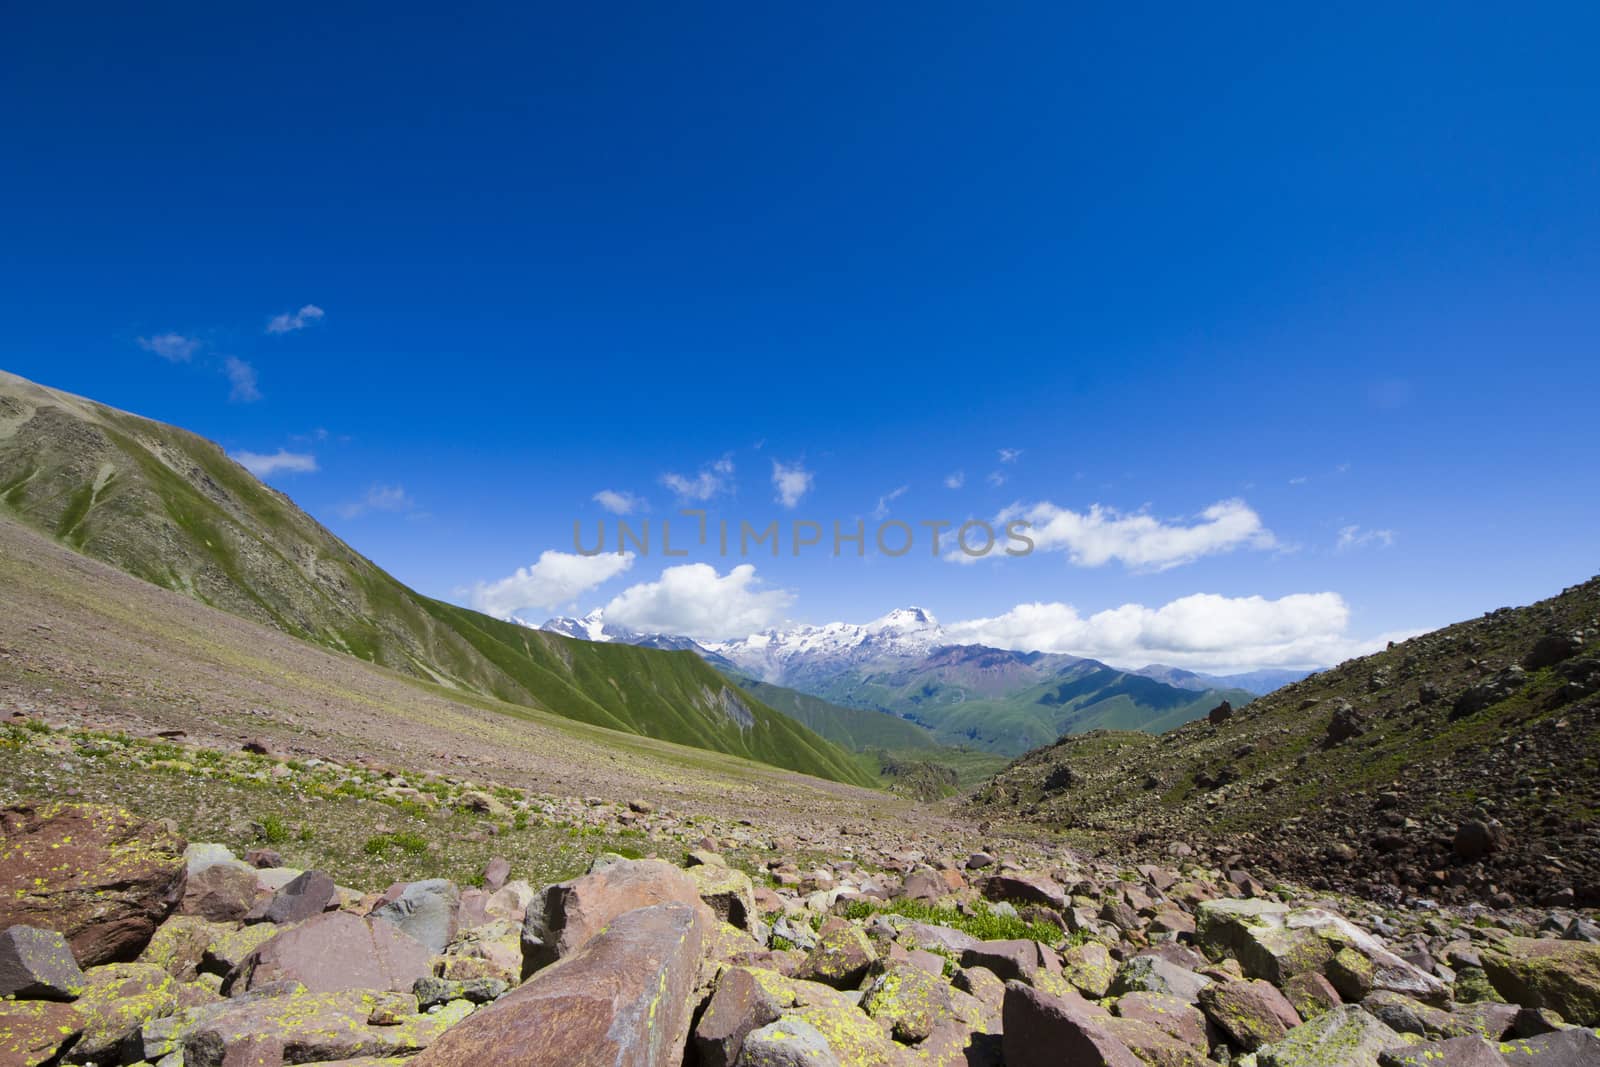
912, 618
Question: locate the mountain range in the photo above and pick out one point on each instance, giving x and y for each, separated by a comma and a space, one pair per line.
172, 508
997, 700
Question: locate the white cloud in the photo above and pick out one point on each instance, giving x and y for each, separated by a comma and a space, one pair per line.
694, 600
791, 481
710, 481
1203, 632
171, 346
288, 322
1009, 455
262, 464
391, 498
1299, 479
1140, 541
882, 510
996, 479
619, 502
555, 580
955, 479
1355, 537
242, 376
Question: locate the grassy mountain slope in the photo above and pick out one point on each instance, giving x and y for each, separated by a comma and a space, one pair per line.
173, 509
1363, 775
1008, 702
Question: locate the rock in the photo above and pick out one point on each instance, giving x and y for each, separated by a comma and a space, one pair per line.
729, 894
1406, 1016
1018, 888
912, 1003
1343, 1037
1311, 994
1149, 973
335, 951
428, 911
1552, 649
306, 897
296, 1026
979, 860
1566, 1048
1351, 973
922, 884
565, 916
1220, 714
117, 999
841, 957
1563, 976
1090, 968
509, 902
36, 1031
740, 1005
38, 964
99, 876
788, 1043
1177, 1018
432, 992
1015, 960
1345, 724
264, 857
1045, 1031
1456, 1052
1251, 1012
495, 873
219, 892
1476, 839
623, 996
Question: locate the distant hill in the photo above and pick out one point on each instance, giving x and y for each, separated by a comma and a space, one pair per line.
966, 696
167, 506
1461, 764
1259, 682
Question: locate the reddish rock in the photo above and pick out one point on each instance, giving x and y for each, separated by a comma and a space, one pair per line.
332, 952
306, 897
1171, 1015
740, 1006
1311, 994
1252, 1013
495, 873
1019, 960
38, 965
623, 997
219, 893
1020, 888
1046, 1031
567, 915
36, 1031
101, 877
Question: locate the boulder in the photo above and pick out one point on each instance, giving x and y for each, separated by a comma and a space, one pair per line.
1343, 1037
788, 1043
1174, 1017
841, 957
220, 892
99, 876
36, 1031
624, 996
306, 896
1476, 839
304, 1027
495, 873
1563, 976
1019, 888
428, 911
740, 1005
1151, 973
1456, 1052
1251, 1012
912, 1003
1090, 968
1311, 994
1041, 1030
1015, 960
38, 964
335, 951
1406, 1016
1564, 1048
565, 916
729, 894
117, 999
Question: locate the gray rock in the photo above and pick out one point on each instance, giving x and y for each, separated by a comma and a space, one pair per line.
787, 1043
38, 964
428, 911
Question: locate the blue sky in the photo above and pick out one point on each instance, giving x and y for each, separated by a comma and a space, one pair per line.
1338, 266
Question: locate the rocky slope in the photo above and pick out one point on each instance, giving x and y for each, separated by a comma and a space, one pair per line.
171, 508
1460, 765
722, 942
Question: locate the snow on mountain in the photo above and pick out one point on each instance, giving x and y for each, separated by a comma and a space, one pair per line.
592, 627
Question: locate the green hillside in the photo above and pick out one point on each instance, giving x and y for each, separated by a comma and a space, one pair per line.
172, 508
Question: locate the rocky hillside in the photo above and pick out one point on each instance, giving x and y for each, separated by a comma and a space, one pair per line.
1460, 765
169, 507
717, 942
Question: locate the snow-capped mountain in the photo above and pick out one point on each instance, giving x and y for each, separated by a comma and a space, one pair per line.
792, 656
788, 656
